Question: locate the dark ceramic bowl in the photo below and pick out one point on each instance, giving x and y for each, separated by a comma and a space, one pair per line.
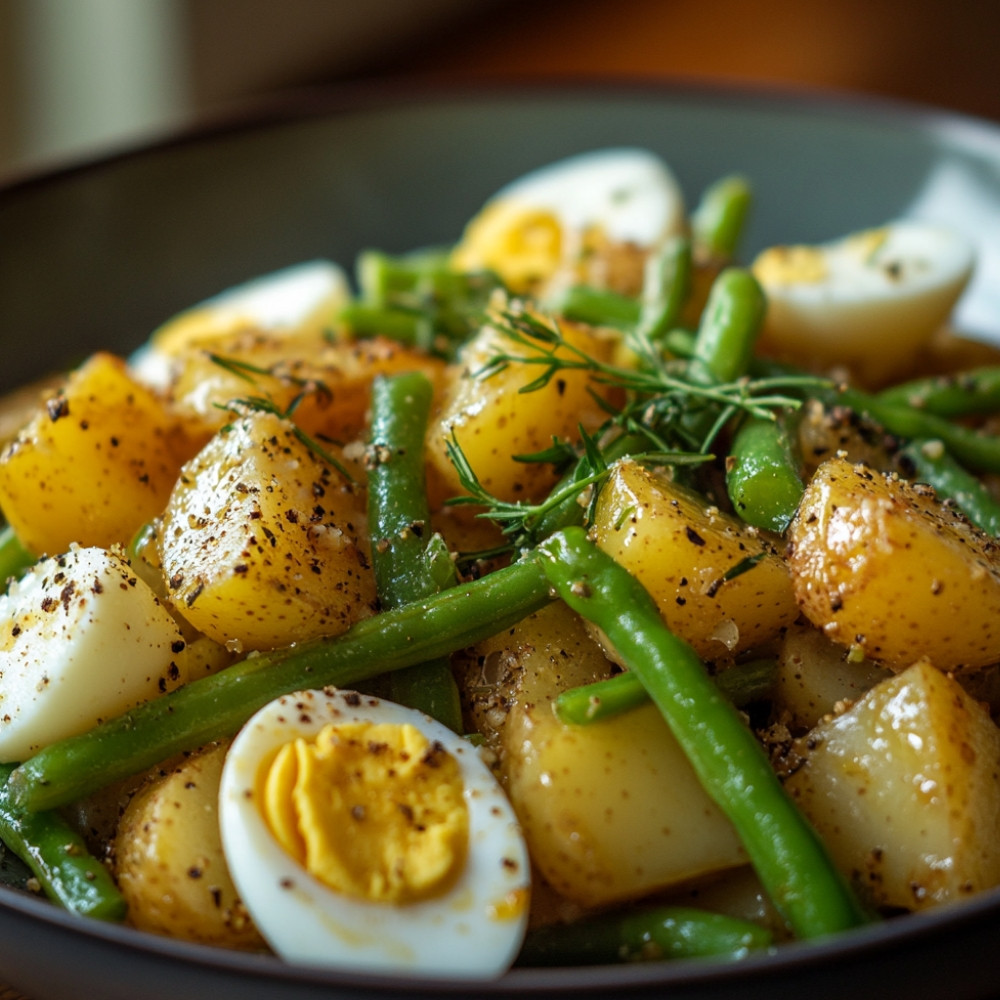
98, 255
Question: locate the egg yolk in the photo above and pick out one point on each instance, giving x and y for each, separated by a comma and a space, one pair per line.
373, 810
522, 245
790, 265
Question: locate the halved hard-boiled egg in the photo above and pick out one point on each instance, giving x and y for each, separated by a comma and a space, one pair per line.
868, 302
83, 639
295, 304
546, 220
366, 836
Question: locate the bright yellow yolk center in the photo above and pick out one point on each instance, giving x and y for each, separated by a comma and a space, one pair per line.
375, 811
523, 245
790, 266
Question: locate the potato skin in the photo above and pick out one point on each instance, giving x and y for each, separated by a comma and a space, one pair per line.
336, 379
263, 543
167, 858
882, 565
613, 810
904, 788
493, 420
681, 548
96, 462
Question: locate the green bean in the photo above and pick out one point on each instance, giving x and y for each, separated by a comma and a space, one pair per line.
741, 684
399, 521
596, 306
665, 288
724, 344
14, 557
58, 857
730, 323
719, 219
418, 299
405, 325
790, 859
381, 275
960, 394
217, 705
665, 932
974, 449
762, 474
929, 462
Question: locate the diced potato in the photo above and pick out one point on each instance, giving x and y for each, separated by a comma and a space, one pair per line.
716, 583
824, 433
263, 542
905, 789
816, 677
333, 380
612, 810
97, 461
884, 566
494, 421
168, 860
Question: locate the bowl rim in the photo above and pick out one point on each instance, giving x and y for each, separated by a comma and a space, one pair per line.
306, 103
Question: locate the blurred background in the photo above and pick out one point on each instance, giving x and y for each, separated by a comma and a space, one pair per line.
78, 77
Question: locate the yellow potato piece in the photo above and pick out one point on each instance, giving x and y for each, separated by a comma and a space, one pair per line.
884, 566
168, 860
328, 383
715, 581
903, 789
262, 542
612, 810
96, 462
493, 420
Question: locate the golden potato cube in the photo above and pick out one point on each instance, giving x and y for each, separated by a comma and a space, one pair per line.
904, 789
716, 583
884, 566
611, 810
493, 420
327, 387
168, 860
96, 462
816, 677
262, 542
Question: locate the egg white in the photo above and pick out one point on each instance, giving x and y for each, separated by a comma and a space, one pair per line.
630, 193
470, 932
881, 296
85, 640
295, 302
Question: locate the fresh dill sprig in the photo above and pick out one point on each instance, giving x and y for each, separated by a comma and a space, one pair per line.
658, 394
266, 404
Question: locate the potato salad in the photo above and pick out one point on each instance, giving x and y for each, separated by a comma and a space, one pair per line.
578, 593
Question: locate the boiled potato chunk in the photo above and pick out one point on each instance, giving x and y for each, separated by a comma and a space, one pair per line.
97, 461
263, 542
612, 810
326, 385
689, 556
168, 860
815, 678
904, 789
884, 566
493, 420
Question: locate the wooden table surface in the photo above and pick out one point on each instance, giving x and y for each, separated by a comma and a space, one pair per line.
939, 52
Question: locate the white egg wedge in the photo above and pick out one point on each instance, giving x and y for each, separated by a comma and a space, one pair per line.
868, 302
296, 303
84, 640
537, 223
365, 836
